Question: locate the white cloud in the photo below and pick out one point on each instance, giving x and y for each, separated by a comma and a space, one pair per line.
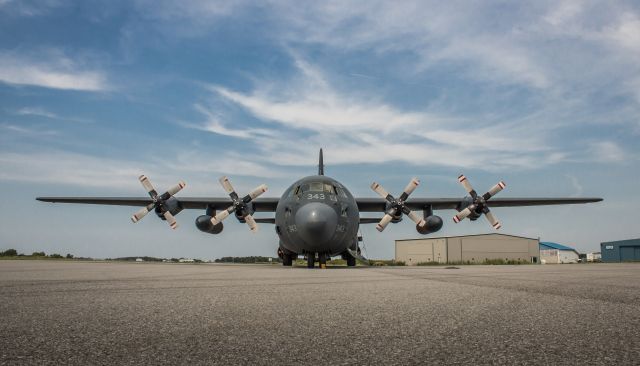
87, 171
57, 72
608, 151
310, 112
41, 112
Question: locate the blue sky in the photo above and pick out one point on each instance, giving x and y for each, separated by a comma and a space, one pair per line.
545, 96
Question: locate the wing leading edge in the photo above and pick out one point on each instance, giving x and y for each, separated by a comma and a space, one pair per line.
379, 205
259, 204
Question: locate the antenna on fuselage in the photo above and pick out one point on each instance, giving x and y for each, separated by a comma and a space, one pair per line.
320, 164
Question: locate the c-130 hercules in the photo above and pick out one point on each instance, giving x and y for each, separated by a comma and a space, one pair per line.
317, 217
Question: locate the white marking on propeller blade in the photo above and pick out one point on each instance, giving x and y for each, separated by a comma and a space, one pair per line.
417, 219
258, 191
226, 184
379, 190
146, 183
141, 213
171, 220
492, 220
462, 214
413, 184
177, 188
465, 183
384, 222
497, 188
221, 216
252, 223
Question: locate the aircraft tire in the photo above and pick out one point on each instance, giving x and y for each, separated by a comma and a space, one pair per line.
287, 260
322, 260
311, 260
351, 262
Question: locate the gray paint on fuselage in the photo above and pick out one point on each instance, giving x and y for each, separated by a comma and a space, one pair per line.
318, 221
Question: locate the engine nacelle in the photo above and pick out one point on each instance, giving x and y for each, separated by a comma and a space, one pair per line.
239, 215
433, 224
203, 223
395, 218
172, 205
466, 201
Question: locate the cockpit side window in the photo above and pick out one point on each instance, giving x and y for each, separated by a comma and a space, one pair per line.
329, 188
341, 192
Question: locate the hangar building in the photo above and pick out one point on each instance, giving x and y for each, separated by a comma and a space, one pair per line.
621, 250
471, 248
557, 253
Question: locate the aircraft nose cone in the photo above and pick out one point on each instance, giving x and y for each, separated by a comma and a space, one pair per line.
316, 223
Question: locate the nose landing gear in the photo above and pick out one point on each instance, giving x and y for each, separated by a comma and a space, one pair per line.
322, 260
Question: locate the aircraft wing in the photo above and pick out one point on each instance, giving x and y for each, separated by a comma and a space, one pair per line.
259, 204
379, 204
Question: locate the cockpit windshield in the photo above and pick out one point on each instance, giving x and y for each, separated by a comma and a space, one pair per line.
315, 187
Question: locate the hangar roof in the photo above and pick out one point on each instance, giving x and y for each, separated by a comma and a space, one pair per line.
472, 235
552, 245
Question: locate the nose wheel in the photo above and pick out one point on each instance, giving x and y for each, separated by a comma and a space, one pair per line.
311, 260
322, 260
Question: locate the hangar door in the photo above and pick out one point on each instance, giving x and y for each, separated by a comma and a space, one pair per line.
630, 253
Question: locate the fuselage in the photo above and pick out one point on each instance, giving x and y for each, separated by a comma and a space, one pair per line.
317, 214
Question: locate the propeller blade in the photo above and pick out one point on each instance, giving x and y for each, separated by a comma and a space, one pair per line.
463, 214
492, 220
413, 184
171, 220
494, 190
256, 192
222, 215
251, 222
467, 186
384, 222
146, 183
142, 213
226, 184
379, 190
177, 188
416, 218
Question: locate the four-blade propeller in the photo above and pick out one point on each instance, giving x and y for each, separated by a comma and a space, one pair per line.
397, 206
158, 201
479, 204
239, 205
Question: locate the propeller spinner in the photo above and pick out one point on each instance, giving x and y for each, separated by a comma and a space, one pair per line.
240, 205
479, 204
158, 201
397, 205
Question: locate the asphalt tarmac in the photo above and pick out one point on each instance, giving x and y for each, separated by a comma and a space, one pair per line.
59, 312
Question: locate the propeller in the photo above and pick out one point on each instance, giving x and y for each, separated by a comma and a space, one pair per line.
239, 204
479, 204
397, 205
158, 201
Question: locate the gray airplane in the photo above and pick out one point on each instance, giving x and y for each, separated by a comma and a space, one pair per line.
317, 217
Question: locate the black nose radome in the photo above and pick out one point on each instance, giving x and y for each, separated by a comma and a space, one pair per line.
316, 223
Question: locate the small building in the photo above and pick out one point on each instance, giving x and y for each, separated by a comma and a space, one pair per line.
621, 251
467, 248
553, 253
594, 257
139, 260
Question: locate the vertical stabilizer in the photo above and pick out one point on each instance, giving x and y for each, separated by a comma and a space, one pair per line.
320, 164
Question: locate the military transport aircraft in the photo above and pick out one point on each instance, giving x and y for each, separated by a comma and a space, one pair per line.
317, 217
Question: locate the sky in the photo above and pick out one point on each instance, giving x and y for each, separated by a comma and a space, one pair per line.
544, 95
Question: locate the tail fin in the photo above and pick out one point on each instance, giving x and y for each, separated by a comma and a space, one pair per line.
320, 164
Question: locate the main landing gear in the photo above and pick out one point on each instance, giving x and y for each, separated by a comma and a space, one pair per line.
287, 258
351, 261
